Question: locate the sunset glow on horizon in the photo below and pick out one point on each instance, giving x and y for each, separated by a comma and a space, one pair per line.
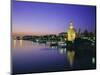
46, 18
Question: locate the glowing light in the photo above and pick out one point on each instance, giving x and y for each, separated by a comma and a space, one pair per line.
93, 60
21, 43
71, 33
71, 55
14, 43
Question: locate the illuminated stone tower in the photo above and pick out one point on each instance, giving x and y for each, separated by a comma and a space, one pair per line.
71, 32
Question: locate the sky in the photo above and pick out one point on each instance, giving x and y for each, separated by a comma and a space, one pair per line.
49, 18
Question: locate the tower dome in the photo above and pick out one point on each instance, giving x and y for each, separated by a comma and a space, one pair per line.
71, 32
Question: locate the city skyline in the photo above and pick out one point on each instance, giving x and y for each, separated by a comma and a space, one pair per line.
46, 18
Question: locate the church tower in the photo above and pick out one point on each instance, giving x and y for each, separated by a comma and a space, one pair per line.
71, 32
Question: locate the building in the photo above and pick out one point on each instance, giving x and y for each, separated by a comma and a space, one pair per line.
63, 34
71, 33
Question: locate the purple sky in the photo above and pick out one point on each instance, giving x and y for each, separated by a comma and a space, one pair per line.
34, 17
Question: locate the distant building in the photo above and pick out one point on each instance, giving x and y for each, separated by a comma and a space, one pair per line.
63, 34
71, 32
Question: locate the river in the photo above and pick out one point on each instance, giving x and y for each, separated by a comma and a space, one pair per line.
32, 57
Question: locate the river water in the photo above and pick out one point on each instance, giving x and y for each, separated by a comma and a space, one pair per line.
32, 57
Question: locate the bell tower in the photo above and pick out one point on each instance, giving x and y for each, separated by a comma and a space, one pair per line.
71, 32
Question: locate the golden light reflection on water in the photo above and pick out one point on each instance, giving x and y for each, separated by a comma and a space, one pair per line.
14, 41
21, 43
70, 57
27, 44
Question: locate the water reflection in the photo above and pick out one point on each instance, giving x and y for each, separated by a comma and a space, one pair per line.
17, 43
93, 60
70, 57
62, 50
42, 57
14, 41
70, 54
21, 43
